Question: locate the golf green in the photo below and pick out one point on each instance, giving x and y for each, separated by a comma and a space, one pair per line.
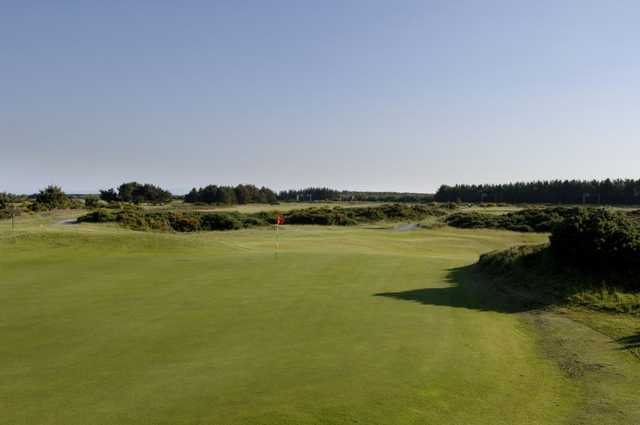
101, 325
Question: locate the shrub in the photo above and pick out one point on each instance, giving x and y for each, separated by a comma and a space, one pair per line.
137, 218
601, 241
98, 216
91, 202
51, 198
266, 217
525, 228
4, 200
184, 222
350, 216
219, 221
473, 220
527, 220
109, 196
253, 221
539, 277
320, 216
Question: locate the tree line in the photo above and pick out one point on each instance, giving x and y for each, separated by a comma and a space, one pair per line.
311, 194
240, 194
618, 191
612, 192
49, 198
137, 193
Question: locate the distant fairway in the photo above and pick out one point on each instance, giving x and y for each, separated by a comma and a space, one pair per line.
101, 325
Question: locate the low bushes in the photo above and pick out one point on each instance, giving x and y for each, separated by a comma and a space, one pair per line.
221, 222
350, 216
52, 197
137, 218
601, 241
593, 252
527, 220
98, 216
91, 202
319, 216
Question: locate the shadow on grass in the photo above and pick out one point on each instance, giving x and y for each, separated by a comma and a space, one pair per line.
631, 342
469, 289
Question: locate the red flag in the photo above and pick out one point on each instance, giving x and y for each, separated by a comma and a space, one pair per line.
280, 219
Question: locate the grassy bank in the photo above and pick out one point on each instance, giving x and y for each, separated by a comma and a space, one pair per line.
535, 279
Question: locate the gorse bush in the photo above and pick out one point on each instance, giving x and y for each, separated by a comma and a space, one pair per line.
91, 202
591, 248
599, 240
318, 216
10, 205
528, 220
98, 216
224, 222
137, 218
181, 222
350, 216
51, 198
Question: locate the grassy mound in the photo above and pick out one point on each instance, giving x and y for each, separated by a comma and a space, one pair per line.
537, 277
593, 259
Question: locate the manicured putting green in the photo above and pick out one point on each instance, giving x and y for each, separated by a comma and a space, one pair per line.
101, 325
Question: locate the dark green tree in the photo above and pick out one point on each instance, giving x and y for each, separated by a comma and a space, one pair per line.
109, 195
52, 197
4, 201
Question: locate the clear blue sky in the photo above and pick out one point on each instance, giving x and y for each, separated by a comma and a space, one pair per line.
370, 95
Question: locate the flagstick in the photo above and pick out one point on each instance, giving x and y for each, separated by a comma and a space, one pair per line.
277, 238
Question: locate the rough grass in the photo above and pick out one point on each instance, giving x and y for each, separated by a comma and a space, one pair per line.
102, 325
529, 273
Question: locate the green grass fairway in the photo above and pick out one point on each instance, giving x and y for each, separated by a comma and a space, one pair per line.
101, 325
